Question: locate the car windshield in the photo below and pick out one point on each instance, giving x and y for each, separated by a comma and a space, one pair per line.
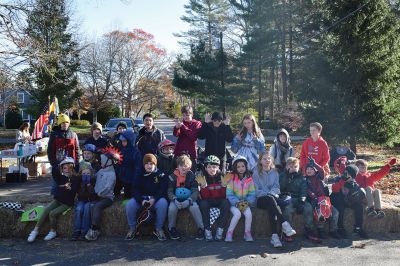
114, 123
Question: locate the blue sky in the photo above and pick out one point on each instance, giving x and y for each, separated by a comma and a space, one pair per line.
158, 17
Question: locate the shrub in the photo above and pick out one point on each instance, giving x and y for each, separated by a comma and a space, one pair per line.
13, 118
80, 123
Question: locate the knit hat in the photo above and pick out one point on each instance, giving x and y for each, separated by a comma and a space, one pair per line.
149, 158
352, 170
122, 124
217, 116
98, 126
85, 166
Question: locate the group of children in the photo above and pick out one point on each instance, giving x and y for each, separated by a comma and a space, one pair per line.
162, 184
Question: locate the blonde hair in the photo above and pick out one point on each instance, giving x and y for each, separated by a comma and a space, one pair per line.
259, 164
361, 162
183, 160
256, 128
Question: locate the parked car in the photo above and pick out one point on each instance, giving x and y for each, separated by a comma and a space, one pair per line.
139, 122
111, 125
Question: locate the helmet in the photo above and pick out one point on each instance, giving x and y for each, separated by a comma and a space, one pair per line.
113, 154
239, 158
62, 118
212, 159
323, 210
89, 147
182, 193
284, 200
340, 164
67, 160
165, 143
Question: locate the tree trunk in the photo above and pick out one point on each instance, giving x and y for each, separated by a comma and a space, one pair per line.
353, 143
260, 114
283, 56
272, 85
291, 78
94, 115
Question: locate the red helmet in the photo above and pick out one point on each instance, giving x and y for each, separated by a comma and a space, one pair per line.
165, 143
323, 210
340, 164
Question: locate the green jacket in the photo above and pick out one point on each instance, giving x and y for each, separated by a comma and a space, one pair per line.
293, 183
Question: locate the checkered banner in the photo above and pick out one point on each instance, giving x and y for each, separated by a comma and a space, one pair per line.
214, 214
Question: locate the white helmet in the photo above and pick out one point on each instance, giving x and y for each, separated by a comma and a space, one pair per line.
239, 158
67, 160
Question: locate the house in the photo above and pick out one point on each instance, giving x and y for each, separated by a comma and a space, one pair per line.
24, 99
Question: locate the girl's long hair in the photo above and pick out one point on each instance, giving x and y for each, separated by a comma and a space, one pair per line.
234, 169
259, 164
24, 126
256, 128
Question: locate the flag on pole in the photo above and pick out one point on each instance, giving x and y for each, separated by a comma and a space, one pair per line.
40, 124
54, 110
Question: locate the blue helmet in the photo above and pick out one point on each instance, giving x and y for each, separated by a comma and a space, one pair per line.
89, 147
182, 193
284, 200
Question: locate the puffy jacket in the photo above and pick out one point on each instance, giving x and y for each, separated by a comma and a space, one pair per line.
62, 194
241, 189
131, 166
62, 143
101, 143
293, 183
153, 184
216, 138
147, 142
190, 183
166, 164
187, 138
214, 187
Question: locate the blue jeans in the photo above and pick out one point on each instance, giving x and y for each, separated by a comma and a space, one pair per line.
82, 219
161, 207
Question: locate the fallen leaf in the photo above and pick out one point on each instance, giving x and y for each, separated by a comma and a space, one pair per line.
359, 246
264, 254
253, 256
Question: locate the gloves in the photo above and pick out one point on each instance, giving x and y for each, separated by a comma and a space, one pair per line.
392, 162
178, 204
86, 179
311, 161
242, 205
344, 176
185, 204
300, 207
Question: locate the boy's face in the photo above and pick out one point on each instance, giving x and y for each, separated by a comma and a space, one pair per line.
314, 132
121, 129
168, 150
66, 168
87, 155
212, 169
187, 117
149, 167
64, 126
241, 168
96, 133
282, 138
216, 122
362, 169
148, 122
310, 171
266, 161
86, 172
184, 169
124, 143
293, 167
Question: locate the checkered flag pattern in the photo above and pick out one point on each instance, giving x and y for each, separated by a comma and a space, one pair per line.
214, 214
11, 205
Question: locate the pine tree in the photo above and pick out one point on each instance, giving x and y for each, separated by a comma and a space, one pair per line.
48, 34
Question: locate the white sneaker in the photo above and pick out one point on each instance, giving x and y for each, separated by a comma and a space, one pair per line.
275, 241
287, 229
32, 236
51, 235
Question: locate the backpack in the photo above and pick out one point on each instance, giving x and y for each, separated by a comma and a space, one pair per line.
323, 210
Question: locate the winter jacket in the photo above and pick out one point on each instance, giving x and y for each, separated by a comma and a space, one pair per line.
166, 164
318, 150
276, 149
216, 138
315, 185
241, 189
368, 179
153, 184
86, 192
213, 187
249, 148
187, 138
266, 183
100, 143
131, 166
105, 182
189, 183
62, 144
147, 142
62, 194
294, 184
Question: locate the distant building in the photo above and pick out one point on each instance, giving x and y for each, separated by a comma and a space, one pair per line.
24, 99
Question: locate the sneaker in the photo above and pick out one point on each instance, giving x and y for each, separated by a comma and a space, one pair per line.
379, 214
335, 234
248, 237
287, 229
229, 236
32, 236
208, 235
130, 235
286, 238
342, 232
75, 236
275, 241
92, 235
159, 233
321, 233
51, 235
200, 234
360, 232
219, 233
174, 234
371, 212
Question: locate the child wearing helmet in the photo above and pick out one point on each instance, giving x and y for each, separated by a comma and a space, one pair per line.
241, 195
183, 193
346, 193
150, 191
90, 156
165, 157
316, 190
64, 195
86, 197
213, 195
266, 180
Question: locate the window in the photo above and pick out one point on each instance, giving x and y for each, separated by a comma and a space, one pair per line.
20, 97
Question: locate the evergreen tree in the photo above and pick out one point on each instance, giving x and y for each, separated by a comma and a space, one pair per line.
48, 34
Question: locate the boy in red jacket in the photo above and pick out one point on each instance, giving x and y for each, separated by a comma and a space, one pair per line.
367, 180
316, 148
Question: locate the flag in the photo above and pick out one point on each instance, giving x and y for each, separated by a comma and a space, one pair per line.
54, 110
40, 124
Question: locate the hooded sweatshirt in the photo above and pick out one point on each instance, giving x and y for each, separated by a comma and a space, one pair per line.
187, 138
281, 151
131, 167
318, 150
266, 182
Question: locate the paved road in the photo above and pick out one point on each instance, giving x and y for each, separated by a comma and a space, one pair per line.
113, 251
